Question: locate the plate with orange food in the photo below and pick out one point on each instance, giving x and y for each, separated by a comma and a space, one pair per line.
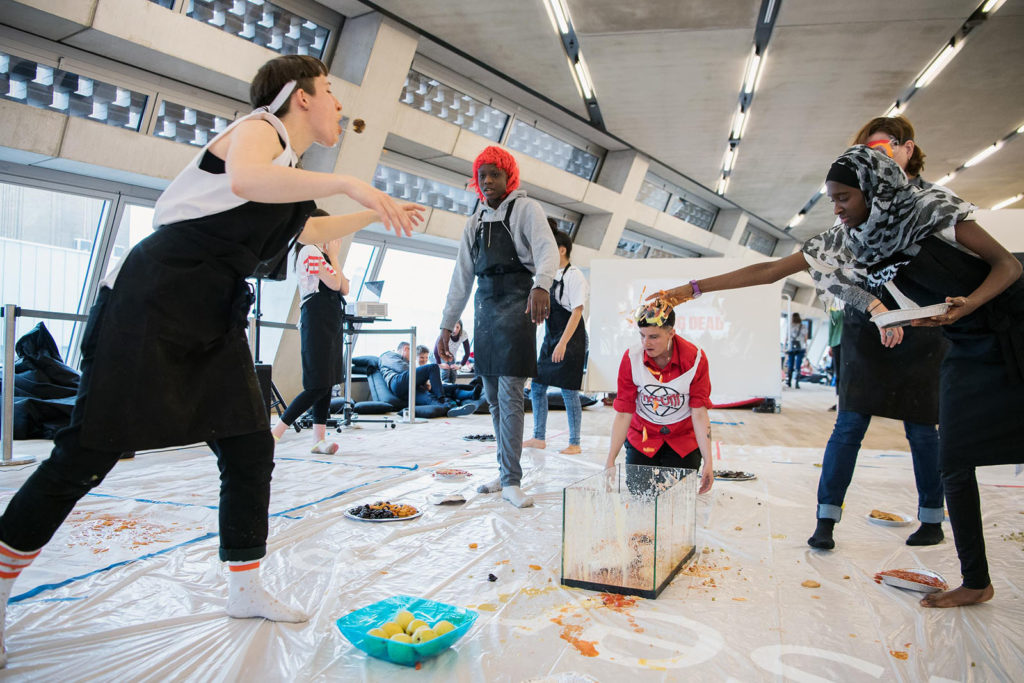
920, 580
451, 474
889, 518
383, 511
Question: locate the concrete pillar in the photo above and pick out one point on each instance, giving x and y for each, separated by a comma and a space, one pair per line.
377, 54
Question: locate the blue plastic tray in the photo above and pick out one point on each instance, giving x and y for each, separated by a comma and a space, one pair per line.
355, 625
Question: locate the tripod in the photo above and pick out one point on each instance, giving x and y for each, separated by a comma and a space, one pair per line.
348, 412
276, 401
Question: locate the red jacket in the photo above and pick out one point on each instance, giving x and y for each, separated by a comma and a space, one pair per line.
680, 438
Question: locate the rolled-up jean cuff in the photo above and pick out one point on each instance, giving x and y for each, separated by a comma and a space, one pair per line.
242, 554
931, 515
830, 512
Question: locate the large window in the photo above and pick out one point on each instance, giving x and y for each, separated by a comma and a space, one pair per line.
135, 225
415, 288
46, 242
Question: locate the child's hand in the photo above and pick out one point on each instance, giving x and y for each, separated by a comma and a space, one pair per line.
558, 354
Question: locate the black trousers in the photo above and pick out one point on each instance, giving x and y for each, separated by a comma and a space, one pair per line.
72, 470
319, 399
641, 482
964, 505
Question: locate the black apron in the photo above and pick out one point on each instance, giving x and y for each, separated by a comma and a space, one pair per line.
901, 383
982, 375
569, 373
172, 364
320, 332
505, 337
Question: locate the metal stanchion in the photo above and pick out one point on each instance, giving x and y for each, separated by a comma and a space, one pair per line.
7, 435
412, 378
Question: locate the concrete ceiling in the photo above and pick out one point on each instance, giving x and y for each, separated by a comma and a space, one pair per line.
667, 75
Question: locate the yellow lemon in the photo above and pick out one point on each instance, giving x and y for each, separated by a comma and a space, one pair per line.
413, 625
422, 635
443, 627
379, 632
402, 638
390, 628
403, 618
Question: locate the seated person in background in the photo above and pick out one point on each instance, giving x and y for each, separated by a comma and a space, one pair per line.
459, 338
394, 365
422, 355
661, 410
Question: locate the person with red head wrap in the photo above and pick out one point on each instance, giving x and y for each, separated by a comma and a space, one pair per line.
509, 249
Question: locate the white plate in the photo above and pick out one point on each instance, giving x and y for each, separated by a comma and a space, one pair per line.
914, 585
903, 316
888, 522
452, 478
386, 519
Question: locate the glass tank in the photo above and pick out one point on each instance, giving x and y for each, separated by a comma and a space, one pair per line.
628, 529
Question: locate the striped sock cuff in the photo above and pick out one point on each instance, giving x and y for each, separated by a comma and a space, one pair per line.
243, 566
13, 561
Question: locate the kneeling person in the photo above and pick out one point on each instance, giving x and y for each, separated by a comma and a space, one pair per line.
661, 408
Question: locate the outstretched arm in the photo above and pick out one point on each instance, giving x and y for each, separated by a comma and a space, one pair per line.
322, 229
748, 276
251, 149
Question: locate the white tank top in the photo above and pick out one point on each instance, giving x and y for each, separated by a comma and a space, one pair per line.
194, 193
662, 403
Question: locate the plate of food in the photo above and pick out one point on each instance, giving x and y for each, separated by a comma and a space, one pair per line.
889, 518
920, 580
451, 474
383, 511
734, 475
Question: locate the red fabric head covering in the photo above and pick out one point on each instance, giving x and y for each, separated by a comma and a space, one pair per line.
500, 158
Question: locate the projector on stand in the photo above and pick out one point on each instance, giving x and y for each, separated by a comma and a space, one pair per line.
367, 309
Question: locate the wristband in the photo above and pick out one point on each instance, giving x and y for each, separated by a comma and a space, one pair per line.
696, 289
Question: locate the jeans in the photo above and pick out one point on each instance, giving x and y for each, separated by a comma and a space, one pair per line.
318, 399
47, 497
841, 458
424, 373
573, 409
794, 359
505, 399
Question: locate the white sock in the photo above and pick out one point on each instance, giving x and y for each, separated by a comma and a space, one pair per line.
325, 447
248, 598
12, 562
492, 486
515, 495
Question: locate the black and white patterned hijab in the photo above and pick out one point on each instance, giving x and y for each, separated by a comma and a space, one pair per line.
900, 215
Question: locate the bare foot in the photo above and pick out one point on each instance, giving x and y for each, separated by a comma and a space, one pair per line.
958, 597
535, 443
573, 449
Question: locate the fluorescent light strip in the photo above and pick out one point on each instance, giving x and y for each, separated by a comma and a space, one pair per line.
984, 154
1006, 202
1020, 130
750, 79
729, 159
723, 185
946, 178
575, 76
561, 16
797, 219
895, 110
771, 8
584, 74
938, 64
739, 124
991, 6
823, 190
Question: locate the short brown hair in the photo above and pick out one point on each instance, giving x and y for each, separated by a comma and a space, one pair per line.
899, 128
274, 74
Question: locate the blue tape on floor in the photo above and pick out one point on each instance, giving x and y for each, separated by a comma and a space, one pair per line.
350, 464
284, 513
60, 584
731, 424
153, 502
